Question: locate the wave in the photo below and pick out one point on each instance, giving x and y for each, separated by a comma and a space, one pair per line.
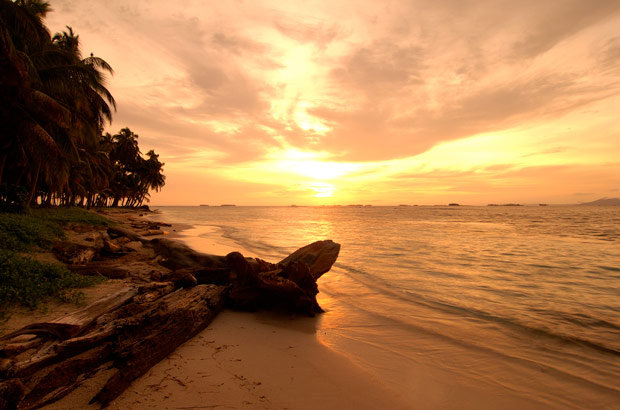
460, 311
512, 355
385, 287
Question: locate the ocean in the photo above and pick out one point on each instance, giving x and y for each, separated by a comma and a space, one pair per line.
460, 307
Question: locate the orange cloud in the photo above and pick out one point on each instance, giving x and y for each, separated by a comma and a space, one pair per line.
371, 91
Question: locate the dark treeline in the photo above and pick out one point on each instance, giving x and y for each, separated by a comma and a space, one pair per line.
53, 107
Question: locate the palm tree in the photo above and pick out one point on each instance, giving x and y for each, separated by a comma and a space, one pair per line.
87, 82
150, 176
29, 114
124, 156
38, 8
53, 107
53, 100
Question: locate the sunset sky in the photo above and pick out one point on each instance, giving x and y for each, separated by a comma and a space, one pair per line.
365, 102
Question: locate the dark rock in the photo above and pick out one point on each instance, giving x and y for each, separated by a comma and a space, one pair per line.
73, 253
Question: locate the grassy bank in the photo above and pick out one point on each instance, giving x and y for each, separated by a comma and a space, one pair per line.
27, 282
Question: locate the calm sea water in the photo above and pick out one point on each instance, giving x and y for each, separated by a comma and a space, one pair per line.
517, 307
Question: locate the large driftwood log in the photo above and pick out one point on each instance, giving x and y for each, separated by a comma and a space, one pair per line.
177, 255
265, 285
255, 284
318, 256
73, 324
132, 330
131, 338
170, 322
100, 269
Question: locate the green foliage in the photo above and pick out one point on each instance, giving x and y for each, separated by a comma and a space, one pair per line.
72, 215
40, 227
23, 232
29, 282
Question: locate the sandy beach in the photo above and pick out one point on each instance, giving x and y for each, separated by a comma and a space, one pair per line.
260, 360
249, 361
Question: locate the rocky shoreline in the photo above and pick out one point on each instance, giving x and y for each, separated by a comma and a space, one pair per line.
170, 293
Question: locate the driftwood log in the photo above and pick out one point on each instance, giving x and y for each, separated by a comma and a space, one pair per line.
129, 339
123, 335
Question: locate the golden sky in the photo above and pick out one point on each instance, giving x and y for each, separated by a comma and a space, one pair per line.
365, 102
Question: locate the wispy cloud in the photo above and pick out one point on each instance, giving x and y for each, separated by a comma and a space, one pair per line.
232, 82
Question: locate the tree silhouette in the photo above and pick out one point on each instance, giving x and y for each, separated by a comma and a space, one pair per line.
53, 108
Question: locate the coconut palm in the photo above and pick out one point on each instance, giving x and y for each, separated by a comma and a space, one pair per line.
29, 114
53, 107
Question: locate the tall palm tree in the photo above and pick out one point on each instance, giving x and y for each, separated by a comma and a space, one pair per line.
29, 114
125, 155
53, 100
53, 107
87, 83
150, 176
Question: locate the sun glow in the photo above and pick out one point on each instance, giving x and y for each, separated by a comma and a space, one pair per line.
322, 189
311, 165
308, 122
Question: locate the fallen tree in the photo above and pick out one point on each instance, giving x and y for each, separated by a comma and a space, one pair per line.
125, 334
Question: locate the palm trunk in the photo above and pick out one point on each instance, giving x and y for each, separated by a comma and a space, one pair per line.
2, 163
33, 190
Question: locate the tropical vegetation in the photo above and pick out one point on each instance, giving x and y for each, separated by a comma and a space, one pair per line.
54, 105
26, 281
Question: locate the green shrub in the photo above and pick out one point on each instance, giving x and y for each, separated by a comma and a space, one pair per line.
64, 216
40, 227
22, 232
29, 283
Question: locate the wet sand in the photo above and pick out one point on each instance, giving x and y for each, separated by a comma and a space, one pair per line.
256, 361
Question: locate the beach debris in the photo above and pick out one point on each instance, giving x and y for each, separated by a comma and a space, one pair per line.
73, 253
101, 269
121, 336
255, 284
319, 256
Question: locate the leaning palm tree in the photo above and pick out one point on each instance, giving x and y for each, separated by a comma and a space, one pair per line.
52, 100
29, 115
85, 93
38, 8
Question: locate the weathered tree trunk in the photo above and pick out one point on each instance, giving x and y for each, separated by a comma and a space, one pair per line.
129, 337
72, 324
96, 269
169, 323
134, 329
2, 163
33, 189
318, 256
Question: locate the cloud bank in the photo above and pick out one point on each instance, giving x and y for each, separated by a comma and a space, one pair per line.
228, 85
